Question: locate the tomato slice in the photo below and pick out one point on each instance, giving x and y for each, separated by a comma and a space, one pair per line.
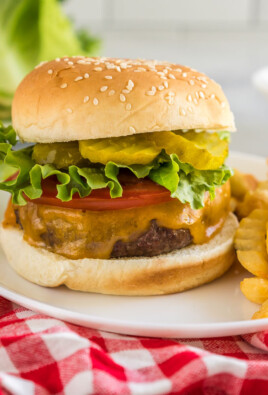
136, 193
12, 177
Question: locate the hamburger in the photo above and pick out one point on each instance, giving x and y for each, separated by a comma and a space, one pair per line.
124, 188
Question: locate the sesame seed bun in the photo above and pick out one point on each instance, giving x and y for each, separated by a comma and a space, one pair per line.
81, 98
174, 272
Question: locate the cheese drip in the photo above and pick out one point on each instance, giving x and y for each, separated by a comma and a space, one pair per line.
77, 234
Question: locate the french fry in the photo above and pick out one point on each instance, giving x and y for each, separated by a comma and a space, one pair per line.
252, 181
251, 239
267, 237
262, 313
251, 245
255, 289
241, 184
255, 262
233, 204
253, 199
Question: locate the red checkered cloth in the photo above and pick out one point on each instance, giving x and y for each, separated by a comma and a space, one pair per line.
41, 355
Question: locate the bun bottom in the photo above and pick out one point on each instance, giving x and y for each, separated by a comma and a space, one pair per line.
163, 274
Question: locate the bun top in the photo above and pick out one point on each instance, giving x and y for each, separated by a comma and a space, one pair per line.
80, 98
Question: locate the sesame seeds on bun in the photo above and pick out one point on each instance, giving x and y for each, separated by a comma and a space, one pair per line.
79, 98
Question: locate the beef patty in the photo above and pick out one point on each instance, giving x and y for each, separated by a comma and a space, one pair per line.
155, 241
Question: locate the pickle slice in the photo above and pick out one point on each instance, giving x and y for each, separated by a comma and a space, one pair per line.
204, 151
61, 155
138, 149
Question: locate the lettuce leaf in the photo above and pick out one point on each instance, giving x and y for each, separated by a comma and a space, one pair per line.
192, 186
7, 135
182, 180
225, 135
187, 183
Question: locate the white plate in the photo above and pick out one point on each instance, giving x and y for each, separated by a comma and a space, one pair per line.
215, 309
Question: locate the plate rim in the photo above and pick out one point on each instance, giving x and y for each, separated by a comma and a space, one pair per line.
246, 155
113, 325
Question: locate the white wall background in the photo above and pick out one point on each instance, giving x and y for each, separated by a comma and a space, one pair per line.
227, 39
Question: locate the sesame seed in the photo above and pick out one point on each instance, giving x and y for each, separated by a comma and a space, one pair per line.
223, 104
170, 97
130, 85
163, 77
197, 95
111, 93
172, 76
195, 101
150, 93
95, 101
64, 85
204, 86
191, 82
161, 87
184, 74
118, 68
57, 59
182, 111
69, 110
125, 91
70, 63
189, 98
201, 78
128, 106
122, 97
86, 75
137, 71
50, 71
81, 61
190, 109
201, 94
179, 70
165, 71
212, 96
66, 59
171, 100
98, 69
132, 130
86, 99
104, 88
165, 84
108, 77
78, 78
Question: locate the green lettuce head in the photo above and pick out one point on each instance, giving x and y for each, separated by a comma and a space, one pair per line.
32, 31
